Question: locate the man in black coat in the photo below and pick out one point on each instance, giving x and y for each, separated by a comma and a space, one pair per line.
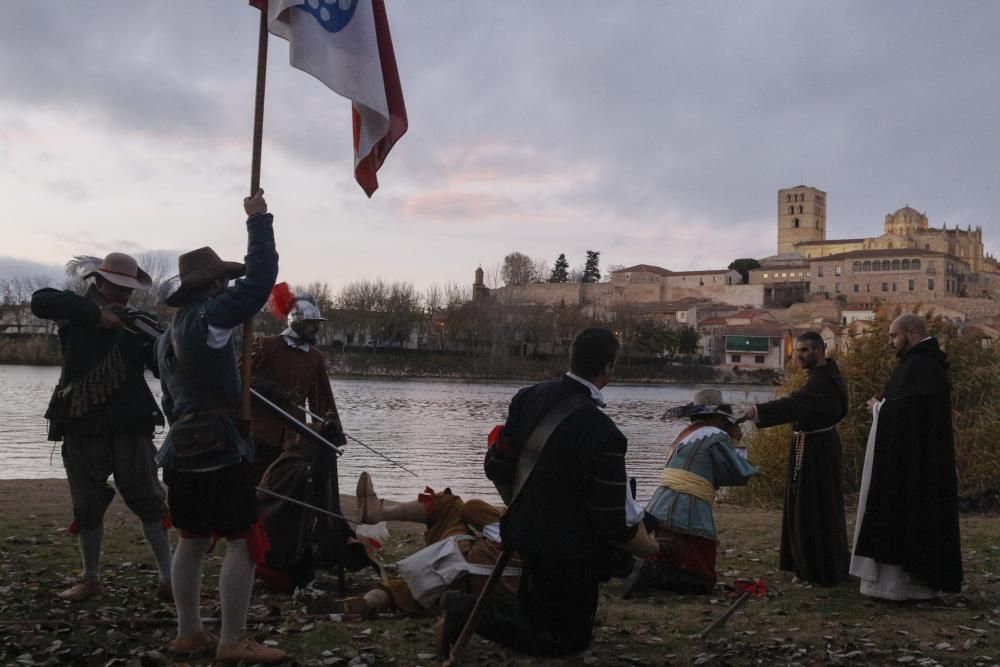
104, 413
813, 527
573, 512
907, 542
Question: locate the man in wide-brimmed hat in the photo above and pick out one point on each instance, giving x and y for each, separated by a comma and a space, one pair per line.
702, 459
104, 413
206, 461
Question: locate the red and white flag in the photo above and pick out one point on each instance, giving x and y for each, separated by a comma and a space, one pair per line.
346, 45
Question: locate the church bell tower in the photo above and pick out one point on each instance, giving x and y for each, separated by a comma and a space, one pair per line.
801, 217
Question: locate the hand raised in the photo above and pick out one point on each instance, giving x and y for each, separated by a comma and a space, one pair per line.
255, 205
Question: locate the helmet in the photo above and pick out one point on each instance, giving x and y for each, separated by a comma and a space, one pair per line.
304, 310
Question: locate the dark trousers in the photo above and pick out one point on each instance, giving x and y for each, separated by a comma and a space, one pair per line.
554, 615
90, 459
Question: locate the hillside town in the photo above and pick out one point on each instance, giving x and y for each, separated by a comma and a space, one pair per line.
743, 318
834, 286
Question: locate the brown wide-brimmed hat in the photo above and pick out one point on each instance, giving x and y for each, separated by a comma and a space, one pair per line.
197, 269
122, 270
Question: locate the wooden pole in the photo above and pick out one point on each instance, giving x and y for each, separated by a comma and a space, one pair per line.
258, 134
725, 615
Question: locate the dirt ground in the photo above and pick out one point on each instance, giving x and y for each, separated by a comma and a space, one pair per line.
794, 625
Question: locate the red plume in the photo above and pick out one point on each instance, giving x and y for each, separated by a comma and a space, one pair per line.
281, 301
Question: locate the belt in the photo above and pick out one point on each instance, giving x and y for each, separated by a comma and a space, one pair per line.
800, 447
205, 414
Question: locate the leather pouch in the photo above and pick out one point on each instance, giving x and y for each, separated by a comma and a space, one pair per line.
198, 437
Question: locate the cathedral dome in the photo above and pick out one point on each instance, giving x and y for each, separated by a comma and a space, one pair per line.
905, 221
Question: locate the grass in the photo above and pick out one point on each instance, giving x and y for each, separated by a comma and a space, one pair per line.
795, 625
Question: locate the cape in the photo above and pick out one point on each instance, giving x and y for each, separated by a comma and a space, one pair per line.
911, 516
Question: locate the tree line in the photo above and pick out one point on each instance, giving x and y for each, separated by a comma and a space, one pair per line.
520, 269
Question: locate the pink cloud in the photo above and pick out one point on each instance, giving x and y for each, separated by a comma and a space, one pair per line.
444, 206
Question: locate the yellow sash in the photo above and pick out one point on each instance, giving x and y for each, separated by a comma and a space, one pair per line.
685, 481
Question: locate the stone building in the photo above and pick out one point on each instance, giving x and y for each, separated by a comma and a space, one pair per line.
802, 230
642, 284
862, 275
911, 257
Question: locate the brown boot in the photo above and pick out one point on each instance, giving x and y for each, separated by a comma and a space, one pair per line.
354, 606
82, 590
250, 652
197, 645
369, 505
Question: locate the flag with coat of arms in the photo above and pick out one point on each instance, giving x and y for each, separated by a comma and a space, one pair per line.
346, 45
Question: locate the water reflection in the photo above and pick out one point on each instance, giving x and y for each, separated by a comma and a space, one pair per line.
436, 428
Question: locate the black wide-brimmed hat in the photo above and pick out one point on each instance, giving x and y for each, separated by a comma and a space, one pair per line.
197, 269
706, 402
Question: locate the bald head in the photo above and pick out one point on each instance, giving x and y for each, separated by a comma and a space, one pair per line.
906, 331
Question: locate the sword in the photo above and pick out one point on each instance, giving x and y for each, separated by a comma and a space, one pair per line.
307, 506
351, 437
138, 322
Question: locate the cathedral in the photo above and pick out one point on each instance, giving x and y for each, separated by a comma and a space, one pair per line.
909, 260
802, 230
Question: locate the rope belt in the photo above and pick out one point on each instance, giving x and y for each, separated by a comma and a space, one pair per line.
685, 481
800, 447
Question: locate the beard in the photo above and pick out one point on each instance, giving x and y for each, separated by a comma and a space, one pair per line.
307, 336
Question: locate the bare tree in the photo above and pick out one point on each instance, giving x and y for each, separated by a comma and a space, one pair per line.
433, 298
161, 266
611, 270
400, 315
433, 302
15, 297
493, 276
540, 271
320, 292
517, 269
456, 295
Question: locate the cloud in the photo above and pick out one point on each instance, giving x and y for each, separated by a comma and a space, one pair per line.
71, 189
15, 267
657, 132
457, 207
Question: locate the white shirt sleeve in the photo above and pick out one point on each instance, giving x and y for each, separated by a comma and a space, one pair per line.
218, 337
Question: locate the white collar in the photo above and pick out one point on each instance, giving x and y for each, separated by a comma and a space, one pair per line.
595, 393
294, 341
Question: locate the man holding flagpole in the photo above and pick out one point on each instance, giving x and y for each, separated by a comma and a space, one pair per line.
207, 463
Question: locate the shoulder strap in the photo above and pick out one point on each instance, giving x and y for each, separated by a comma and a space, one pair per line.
533, 448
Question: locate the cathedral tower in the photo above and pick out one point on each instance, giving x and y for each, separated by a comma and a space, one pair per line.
801, 217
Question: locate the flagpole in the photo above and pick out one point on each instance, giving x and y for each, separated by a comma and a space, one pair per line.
258, 134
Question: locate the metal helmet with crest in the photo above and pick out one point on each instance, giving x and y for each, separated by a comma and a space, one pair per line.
286, 305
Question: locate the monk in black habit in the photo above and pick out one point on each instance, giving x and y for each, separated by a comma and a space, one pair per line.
907, 542
813, 528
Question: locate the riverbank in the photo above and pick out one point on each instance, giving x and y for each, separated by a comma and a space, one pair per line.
795, 624
452, 364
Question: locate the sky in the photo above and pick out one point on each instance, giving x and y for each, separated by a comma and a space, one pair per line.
655, 132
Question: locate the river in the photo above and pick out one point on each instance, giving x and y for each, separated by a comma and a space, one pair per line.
435, 428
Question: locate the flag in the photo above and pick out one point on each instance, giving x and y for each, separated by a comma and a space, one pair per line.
346, 45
